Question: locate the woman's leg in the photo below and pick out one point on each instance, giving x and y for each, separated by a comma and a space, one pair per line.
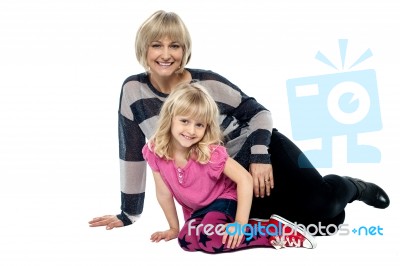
301, 194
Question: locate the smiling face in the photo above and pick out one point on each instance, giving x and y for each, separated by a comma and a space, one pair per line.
188, 124
158, 26
186, 131
164, 57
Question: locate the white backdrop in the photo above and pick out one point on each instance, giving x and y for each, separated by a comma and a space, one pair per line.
62, 65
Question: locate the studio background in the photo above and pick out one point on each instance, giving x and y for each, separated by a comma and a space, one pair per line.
62, 66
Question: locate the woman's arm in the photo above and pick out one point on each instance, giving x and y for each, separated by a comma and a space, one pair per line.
132, 165
166, 201
243, 110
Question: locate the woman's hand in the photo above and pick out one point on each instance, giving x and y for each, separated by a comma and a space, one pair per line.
166, 235
263, 179
109, 221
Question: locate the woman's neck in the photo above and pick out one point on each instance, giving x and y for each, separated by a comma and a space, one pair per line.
167, 84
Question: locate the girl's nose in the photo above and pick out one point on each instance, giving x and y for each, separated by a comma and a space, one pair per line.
191, 129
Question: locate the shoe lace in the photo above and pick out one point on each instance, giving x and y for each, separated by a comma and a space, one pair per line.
279, 242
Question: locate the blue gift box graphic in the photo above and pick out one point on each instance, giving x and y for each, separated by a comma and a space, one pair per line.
324, 106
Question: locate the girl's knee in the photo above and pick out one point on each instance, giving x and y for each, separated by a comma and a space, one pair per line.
188, 243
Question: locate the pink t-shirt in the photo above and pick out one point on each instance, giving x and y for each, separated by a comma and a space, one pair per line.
195, 185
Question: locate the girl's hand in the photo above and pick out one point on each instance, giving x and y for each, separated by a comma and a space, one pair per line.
109, 221
234, 238
166, 235
263, 179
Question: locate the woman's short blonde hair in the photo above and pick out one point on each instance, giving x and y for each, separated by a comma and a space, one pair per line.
163, 24
191, 100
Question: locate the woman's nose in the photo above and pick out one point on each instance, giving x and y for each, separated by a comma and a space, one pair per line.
165, 53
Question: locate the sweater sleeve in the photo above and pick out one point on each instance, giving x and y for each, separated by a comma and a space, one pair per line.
132, 165
243, 117
260, 124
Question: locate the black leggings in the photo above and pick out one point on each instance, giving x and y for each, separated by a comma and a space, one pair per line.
302, 195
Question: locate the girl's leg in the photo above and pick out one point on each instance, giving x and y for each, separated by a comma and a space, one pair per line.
187, 237
205, 234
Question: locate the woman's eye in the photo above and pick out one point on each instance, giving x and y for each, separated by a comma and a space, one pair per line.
175, 46
155, 46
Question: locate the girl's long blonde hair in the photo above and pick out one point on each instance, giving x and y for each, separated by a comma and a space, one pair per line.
191, 100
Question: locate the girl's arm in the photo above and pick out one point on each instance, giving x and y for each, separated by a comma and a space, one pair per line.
244, 183
166, 201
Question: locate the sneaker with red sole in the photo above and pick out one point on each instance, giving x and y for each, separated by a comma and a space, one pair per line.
258, 221
287, 234
259, 226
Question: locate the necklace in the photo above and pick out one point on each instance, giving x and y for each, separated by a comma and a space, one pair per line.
180, 175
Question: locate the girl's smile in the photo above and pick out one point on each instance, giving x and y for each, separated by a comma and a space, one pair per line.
186, 131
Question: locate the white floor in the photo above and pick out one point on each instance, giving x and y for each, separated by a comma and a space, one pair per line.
62, 65
42, 227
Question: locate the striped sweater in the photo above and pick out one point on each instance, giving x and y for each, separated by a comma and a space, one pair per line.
246, 125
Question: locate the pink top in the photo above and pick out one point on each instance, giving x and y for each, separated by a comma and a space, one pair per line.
195, 185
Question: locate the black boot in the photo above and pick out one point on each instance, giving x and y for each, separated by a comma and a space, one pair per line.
370, 193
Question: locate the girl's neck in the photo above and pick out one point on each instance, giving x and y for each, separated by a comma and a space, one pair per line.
181, 156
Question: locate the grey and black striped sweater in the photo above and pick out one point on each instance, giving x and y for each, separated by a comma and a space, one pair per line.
246, 124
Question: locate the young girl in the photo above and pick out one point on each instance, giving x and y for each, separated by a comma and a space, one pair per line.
190, 164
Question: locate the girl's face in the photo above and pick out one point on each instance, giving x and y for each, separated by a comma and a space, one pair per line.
186, 131
164, 57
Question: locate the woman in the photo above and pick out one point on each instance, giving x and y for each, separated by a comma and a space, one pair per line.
163, 48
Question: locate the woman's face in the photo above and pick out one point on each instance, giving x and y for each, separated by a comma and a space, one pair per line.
164, 57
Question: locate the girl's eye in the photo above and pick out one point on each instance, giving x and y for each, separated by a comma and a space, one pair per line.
200, 125
184, 121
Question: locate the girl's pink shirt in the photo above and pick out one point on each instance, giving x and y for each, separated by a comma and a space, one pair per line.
200, 184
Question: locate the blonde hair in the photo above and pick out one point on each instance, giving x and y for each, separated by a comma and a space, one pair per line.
194, 101
163, 24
